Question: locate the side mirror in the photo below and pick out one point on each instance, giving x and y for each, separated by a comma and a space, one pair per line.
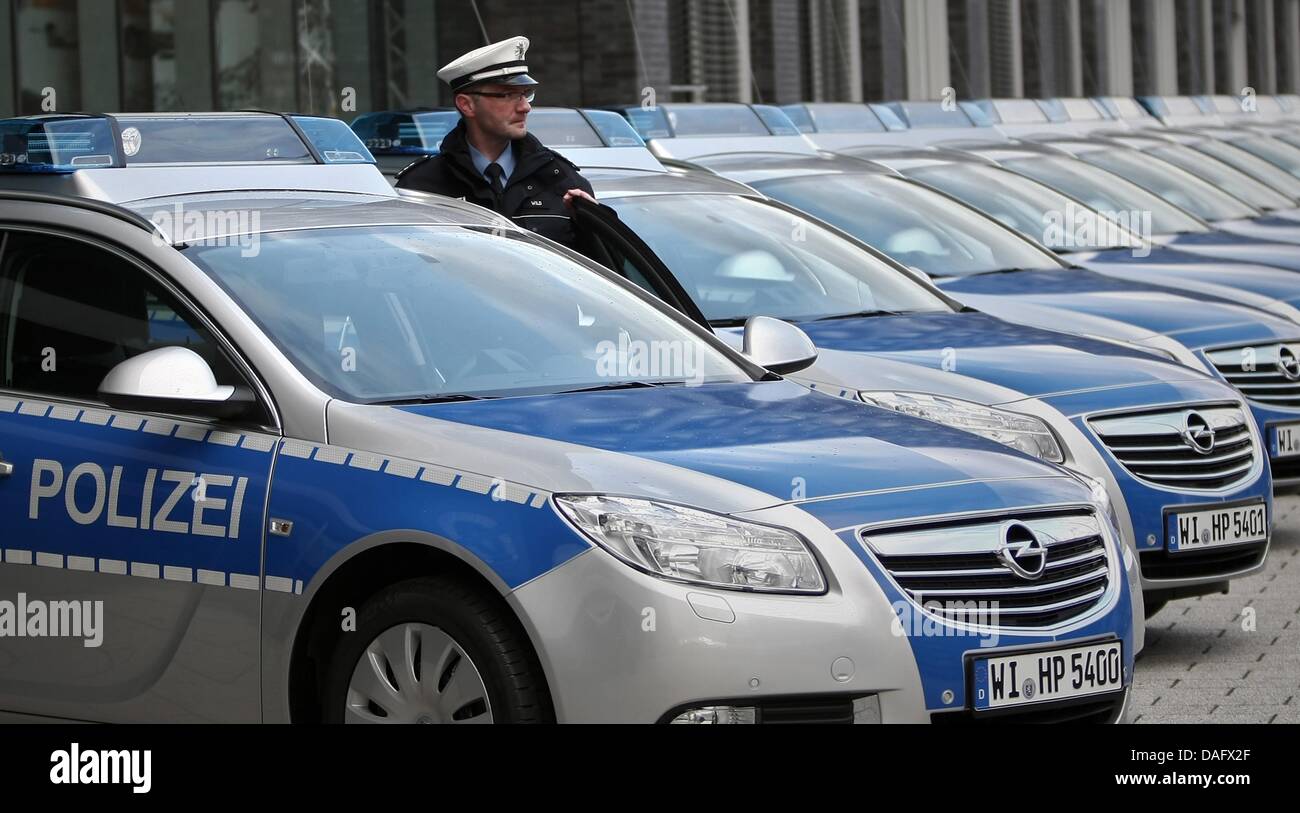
777, 345
173, 380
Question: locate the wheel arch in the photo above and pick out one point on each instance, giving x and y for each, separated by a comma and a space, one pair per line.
355, 573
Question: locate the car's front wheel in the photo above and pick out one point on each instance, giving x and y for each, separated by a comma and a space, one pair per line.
434, 650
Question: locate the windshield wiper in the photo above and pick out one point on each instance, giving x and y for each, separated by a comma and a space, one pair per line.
861, 315
1015, 270
622, 385
429, 399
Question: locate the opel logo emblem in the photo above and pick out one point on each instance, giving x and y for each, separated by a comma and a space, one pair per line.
1022, 551
1288, 364
1198, 434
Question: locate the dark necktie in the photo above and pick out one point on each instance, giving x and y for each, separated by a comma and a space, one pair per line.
495, 174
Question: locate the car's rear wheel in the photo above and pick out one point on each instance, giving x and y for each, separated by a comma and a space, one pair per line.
434, 650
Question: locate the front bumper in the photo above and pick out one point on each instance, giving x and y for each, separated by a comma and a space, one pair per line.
1285, 470
620, 645
1142, 506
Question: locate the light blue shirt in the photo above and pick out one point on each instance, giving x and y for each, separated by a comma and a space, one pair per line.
506, 162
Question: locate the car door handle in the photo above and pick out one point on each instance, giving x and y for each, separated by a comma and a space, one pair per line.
6, 468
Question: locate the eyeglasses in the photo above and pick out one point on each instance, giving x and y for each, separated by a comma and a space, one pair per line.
512, 96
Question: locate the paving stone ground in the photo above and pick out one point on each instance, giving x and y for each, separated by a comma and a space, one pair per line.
1233, 658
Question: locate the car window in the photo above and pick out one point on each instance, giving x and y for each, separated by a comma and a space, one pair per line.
1253, 165
916, 226
1232, 181
1105, 191
425, 312
1171, 183
1030, 208
1275, 152
739, 257
70, 312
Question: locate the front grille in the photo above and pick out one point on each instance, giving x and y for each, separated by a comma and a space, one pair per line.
1161, 447
959, 571
1161, 564
1083, 711
1261, 372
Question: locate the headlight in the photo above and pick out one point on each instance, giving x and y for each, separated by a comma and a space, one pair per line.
1023, 432
1101, 496
696, 546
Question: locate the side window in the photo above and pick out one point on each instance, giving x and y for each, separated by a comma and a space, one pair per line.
70, 312
624, 267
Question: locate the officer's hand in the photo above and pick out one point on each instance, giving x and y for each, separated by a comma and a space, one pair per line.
576, 193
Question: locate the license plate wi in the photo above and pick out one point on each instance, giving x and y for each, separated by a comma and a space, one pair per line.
1041, 677
1209, 528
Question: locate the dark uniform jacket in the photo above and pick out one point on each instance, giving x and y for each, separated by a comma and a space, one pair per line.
534, 192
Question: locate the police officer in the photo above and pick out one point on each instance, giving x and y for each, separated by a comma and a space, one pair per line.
489, 158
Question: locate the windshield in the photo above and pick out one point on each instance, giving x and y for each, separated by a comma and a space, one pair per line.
1171, 183
1105, 191
916, 226
1232, 181
1275, 152
426, 312
1030, 208
1252, 165
740, 257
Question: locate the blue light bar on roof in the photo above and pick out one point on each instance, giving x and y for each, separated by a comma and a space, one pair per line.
1157, 106
649, 122
58, 144
981, 112
334, 140
614, 130
778, 123
798, 114
405, 132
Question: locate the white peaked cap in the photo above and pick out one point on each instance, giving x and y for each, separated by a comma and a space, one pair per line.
501, 63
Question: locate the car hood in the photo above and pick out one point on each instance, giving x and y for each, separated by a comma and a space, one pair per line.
1171, 268
1021, 360
1271, 228
1194, 322
1225, 246
725, 447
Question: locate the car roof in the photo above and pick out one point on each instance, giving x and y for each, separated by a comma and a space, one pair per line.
1057, 144
752, 167
613, 183
903, 158
127, 184
276, 211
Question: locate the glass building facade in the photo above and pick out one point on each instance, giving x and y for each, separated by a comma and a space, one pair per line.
343, 57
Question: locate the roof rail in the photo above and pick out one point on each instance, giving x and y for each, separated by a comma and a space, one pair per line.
89, 204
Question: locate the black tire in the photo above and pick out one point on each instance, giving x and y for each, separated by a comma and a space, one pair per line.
1153, 607
475, 619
